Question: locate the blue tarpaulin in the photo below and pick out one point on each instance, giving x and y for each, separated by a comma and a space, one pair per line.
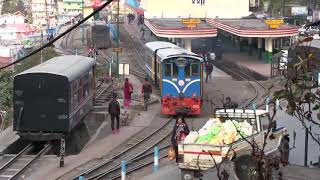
132, 3
113, 30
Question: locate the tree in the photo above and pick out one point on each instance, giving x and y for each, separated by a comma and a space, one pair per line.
6, 78
34, 60
20, 7
276, 7
301, 87
12, 6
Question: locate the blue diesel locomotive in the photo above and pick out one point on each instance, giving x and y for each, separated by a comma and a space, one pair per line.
179, 75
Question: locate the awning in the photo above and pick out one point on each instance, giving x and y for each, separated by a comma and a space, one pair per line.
173, 28
134, 5
252, 28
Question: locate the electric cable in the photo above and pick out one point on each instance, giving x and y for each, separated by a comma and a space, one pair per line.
59, 36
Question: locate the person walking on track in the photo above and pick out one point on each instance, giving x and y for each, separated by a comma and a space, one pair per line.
180, 131
230, 104
146, 91
142, 30
114, 111
127, 91
209, 68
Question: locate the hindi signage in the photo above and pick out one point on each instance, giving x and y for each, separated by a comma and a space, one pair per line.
191, 23
274, 23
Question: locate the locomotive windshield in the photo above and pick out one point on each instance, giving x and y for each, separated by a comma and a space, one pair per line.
171, 69
191, 69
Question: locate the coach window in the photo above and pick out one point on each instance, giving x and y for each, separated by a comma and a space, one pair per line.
168, 69
194, 69
75, 101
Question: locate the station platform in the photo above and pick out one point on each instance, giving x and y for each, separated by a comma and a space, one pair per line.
252, 63
103, 142
7, 138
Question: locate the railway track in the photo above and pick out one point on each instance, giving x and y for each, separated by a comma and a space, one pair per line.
260, 91
137, 152
13, 168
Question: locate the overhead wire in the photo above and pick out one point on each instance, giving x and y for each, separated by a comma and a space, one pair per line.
59, 36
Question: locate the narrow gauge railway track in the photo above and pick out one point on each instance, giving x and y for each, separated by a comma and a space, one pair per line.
240, 75
20, 162
137, 152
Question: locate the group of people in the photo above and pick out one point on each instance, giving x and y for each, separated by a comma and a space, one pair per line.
140, 20
93, 52
114, 105
131, 18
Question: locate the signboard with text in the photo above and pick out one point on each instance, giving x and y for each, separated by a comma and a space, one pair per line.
274, 23
117, 50
191, 23
299, 11
124, 69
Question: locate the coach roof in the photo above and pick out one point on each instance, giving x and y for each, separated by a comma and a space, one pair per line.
70, 66
167, 50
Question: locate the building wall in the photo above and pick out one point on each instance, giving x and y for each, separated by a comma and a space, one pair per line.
11, 19
195, 8
72, 4
39, 13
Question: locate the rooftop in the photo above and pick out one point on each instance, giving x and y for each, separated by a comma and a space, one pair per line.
254, 24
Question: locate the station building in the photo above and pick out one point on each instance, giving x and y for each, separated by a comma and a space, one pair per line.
200, 25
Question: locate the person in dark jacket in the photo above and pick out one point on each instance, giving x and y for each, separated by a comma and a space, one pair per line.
209, 69
230, 104
180, 131
146, 91
114, 111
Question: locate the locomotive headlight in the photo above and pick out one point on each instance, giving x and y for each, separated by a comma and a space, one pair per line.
196, 106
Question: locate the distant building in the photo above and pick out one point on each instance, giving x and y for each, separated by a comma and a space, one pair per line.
73, 5
195, 8
16, 18
254, 5
44, 13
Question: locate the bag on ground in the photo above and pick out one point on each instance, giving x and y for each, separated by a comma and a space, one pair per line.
171, 153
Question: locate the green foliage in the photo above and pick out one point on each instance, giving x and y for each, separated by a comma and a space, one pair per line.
34, 60
276, 7
6, 82
12, 6
20, 7
300, 85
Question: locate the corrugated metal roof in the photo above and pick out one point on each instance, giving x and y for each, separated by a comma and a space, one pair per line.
168, 50
70, 66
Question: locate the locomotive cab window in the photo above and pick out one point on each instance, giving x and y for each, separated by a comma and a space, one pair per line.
175, 70
187, 70
194, 69
168, 69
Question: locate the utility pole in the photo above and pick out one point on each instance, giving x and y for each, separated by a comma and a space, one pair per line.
47, 18
284, 7
41, 55
118, 40
82, 25
306, 147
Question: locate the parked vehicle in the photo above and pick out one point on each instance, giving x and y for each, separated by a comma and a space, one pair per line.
98, 35
194, 157
52, 98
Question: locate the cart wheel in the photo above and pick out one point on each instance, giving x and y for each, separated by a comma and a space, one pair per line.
246, 168
187, 174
